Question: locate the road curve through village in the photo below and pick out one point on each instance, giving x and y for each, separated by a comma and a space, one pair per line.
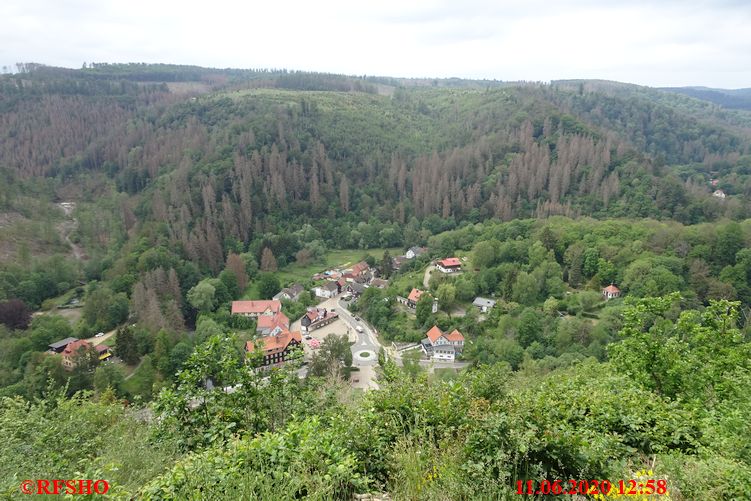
365, 348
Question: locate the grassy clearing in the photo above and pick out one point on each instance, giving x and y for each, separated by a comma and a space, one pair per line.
404, 283
110, 341
446, 373
335, 258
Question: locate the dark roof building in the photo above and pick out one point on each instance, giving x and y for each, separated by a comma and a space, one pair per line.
59, 346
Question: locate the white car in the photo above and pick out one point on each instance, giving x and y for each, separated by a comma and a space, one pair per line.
100, 334
359, 328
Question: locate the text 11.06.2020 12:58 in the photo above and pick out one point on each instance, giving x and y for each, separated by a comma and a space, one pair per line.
572, 487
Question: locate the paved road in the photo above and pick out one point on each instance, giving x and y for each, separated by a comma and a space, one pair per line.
434, 364
365, 341
430, 364
364, 350
99, 340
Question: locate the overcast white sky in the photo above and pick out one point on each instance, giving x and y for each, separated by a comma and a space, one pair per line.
658, 43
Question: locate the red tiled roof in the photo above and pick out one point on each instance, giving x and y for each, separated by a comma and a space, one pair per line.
315, 313
455, 336
450, 261
360, 267
414, 296
256, 306
611, 288
269, 322
275, 344
100, 348
434, 333
73, 346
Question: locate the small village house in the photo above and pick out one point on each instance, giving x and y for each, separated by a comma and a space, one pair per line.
360, 269
449, 265
414, 252
483, 304
291, 293
355, 288
398, 262
379, 283
611, 292
414, 297
328, 289
719, 194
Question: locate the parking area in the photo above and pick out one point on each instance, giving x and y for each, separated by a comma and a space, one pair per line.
339, 327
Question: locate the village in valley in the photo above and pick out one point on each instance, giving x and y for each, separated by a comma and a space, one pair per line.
336, 290
335, 293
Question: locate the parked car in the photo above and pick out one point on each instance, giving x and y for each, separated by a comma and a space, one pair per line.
357, 318
359, 328
308, 338
333, 309
100, 334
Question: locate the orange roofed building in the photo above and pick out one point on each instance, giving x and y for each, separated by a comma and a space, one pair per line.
611, 292
442, 346
277, 348
414, 297
270, 325
256, 308
71, 351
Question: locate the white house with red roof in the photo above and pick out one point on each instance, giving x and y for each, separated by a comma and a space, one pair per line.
611, 292
449, 265
256, 309
442, 346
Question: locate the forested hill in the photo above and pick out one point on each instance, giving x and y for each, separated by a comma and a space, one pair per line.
728, 98
138, 201
228, 156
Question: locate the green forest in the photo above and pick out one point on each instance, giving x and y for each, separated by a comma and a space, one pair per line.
138, 201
